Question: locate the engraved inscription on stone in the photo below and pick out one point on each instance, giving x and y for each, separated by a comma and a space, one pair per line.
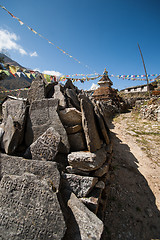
29, 209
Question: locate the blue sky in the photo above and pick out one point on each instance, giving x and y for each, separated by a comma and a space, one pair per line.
99, 33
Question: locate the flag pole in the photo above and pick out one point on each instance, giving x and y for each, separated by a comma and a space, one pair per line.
148, 90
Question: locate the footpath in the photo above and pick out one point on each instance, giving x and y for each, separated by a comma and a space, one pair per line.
133, 209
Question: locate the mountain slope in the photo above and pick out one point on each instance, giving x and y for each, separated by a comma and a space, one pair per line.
11, 82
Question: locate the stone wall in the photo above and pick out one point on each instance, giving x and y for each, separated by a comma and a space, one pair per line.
149, 109
56, 152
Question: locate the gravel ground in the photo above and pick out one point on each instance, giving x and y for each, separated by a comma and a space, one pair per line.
133, 209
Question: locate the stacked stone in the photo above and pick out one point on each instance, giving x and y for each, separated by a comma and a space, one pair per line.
62, 174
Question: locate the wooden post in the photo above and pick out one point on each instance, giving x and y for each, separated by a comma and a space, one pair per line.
148, 90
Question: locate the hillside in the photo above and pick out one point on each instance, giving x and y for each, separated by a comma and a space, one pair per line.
11, 82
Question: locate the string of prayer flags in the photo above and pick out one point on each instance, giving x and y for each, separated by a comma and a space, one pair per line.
35, 32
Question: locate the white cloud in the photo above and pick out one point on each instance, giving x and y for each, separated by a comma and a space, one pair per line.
37, 69
34, 54
9, 41
94, 86
54, 73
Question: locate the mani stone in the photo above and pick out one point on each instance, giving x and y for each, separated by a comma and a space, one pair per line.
102, 125
77, 141
12, 165
14, 115
59, 95
12, 135
80, 185
70, 169
73, 129
82, 224
37, 89
42, 115
89, 125
29, 209
102, 170
70, 117
87, 161
15, 108
45, 147
91, 203
71, 94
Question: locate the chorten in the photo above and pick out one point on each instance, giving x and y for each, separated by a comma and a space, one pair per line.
105, 81
105, 92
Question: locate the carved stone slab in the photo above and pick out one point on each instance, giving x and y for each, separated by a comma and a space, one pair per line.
42, 115
89, 125
83, 223
87, 161
45, 147
80, 185
29, 209
18, 166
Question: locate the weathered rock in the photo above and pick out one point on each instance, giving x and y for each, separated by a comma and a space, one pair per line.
29, 209
70, 117
102, 170
87, 161
37, 89
14, 116
77, 141
100, 185
73, 98
1, 131
73, 129
59, 95
91, 203
89, 125
45, 147
70, 85
102, 126
42, 115
72, 170
12, 135
11, 165
49, 89
15, 108
83, 224
80, 185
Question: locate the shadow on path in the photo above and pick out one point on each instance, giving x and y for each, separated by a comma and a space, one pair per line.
131, 212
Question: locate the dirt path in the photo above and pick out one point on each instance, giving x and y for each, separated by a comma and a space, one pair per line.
134, 202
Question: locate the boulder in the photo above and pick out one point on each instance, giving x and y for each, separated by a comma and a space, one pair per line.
77, 141
1, 131
102, 127
59, 95
83, 224
14, 116
49, 89
102, 170
71, 94
45, 147
12, 165
16, 108
87, 161
72, 170
80, 185
42, 115
70, 117
73, 129
12, 136
91, 203
89, 125
37, 89
29, 209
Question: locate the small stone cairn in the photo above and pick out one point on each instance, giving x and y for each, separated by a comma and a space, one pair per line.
55, 156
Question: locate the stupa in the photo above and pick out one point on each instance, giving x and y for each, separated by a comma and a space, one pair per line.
105, 92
